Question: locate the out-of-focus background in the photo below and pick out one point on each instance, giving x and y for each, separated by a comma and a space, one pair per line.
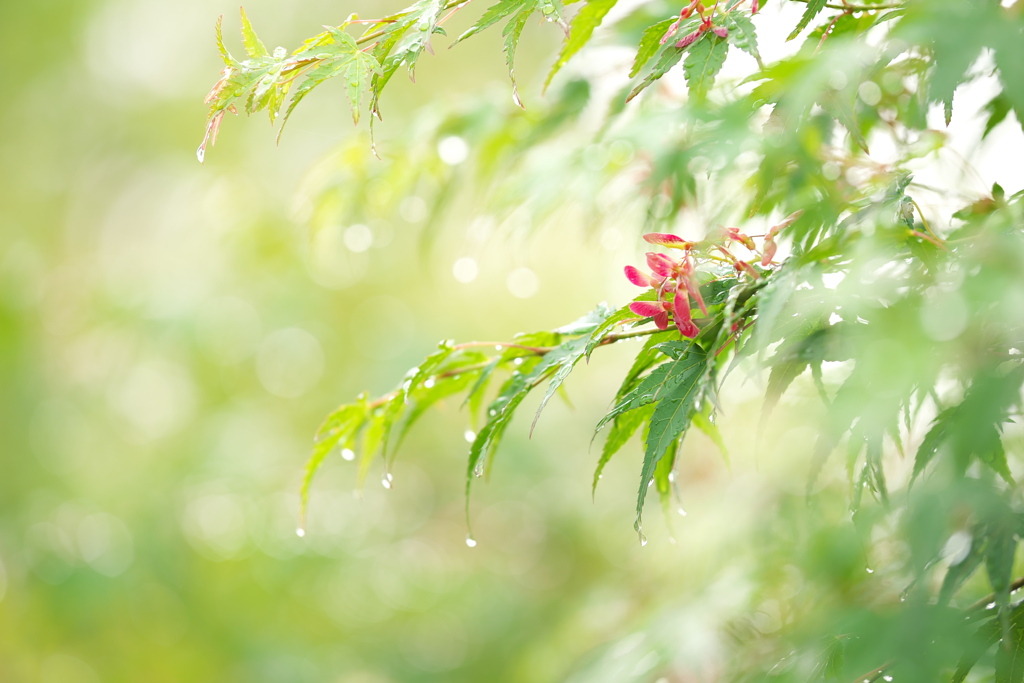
171, 335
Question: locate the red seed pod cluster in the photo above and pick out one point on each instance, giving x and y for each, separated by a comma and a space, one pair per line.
675, 279
705, 25
669, 275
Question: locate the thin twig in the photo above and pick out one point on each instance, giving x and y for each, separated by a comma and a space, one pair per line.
924, 221
862, 8
539, 350
991, 597
872, 676
825, 33
612, 338
377, 34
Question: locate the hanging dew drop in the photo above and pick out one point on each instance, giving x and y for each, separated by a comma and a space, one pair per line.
478, 471
386, 480
469, 435
300, 532
643, 539
518, 361
470, 541
348, 454
681, 511
869, 570
201, 153
429, 383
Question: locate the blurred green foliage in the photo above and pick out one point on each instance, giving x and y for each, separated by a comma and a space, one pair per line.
171, 336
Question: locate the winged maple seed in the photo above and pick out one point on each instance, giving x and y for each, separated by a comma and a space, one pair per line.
705, 25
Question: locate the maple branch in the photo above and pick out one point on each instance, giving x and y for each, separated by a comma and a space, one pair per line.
872, 676
451, 4
990, 598
861, 8
539, 350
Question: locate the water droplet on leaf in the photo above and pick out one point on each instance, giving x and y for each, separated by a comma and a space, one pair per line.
348, 454
470, 541
643, 539
386, 480
469, 435
201, 153
429, 383
300, 532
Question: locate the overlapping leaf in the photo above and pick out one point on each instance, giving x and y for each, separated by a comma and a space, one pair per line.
580, 30
671, 416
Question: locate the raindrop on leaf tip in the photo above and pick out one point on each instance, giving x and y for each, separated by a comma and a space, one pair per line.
300, 532
470, 541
